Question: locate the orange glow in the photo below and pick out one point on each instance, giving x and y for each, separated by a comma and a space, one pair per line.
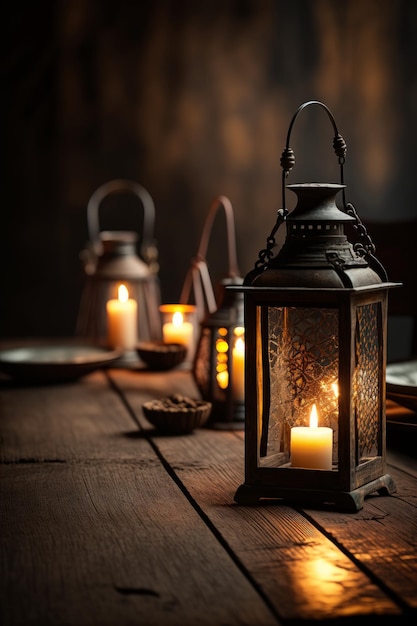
223, 379
240, 346
221, 345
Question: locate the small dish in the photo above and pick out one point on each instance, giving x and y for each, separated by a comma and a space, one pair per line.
54, 361
160, 355
177, 414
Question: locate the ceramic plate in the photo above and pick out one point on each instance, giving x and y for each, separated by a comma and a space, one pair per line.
54, 362
402, 383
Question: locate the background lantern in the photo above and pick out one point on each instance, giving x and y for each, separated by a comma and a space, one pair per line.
219, 360
315, 323
121, 297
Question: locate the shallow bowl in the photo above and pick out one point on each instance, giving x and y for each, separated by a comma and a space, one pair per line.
160, 355
177, 414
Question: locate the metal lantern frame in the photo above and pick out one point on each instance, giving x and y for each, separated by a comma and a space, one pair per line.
111, 259
303, 334
218, 369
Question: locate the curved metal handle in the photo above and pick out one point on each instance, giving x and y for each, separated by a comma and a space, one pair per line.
116, 186
198, 276
288, 156
221, 201
287, 163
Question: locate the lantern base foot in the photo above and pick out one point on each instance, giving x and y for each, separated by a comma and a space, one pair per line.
349, 501
221, 419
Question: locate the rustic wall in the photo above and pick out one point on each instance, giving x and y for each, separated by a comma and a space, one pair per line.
191, 100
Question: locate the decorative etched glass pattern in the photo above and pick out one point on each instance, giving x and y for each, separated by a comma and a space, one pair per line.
202, 363
366, 381
302, 366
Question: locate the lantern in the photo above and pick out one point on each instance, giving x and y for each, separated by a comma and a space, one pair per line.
219, 360
315, 328
120, 301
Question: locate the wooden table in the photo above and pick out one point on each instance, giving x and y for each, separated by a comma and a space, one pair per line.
105, 522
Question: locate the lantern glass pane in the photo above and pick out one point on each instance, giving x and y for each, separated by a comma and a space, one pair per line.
298, 355
202, 362
367, 381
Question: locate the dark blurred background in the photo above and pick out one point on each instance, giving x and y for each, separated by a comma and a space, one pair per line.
191, 100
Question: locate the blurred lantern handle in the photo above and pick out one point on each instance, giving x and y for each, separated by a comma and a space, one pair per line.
147, 248
198, 276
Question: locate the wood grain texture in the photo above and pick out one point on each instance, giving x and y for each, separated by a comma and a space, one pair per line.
108, 543
64, 422
94, 530
312, 565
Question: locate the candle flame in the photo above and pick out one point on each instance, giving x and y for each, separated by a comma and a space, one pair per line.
240, 345
123, 293
314, 419
335, 388
177, 319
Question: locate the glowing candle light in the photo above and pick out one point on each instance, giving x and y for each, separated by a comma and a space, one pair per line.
238, 370
311, 446
178, 331
122, 320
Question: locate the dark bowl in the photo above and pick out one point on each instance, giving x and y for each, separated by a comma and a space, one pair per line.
159, 355
177, 414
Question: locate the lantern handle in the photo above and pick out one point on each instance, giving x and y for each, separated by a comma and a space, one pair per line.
198, 276
147, 248
364, 247
288, 157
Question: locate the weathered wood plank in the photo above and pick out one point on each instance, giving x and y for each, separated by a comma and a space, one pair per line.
107, 543
64, 422
301, 570
93, 528
383, 537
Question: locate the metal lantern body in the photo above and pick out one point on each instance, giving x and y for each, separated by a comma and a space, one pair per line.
315, 324
112, 261
119, 264
219, 360
315, 327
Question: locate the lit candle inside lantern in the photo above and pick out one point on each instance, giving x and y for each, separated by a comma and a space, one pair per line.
178, 331
238, 370
311, 447
122, 320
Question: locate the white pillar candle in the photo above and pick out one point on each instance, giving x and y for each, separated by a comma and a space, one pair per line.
238, 370
122, 321
311, 447
178, 331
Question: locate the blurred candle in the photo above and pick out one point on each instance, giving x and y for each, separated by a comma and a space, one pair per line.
122, 320
238, 370
311, 447
178, 331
